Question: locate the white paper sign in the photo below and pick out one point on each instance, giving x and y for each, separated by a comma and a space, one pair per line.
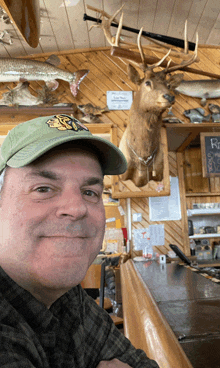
140, 238
166, 208
119, 100
156, 234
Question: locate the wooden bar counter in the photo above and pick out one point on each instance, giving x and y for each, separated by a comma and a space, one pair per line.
172, 313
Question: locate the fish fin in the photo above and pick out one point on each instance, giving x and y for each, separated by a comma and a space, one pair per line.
53, 60
106, 109
78, 76
207, 117
200, 110
52, 85
22, 80
203, 102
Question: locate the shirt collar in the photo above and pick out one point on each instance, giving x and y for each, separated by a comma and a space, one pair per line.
34, 312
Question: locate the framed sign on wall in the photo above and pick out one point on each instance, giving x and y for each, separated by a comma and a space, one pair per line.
210, 149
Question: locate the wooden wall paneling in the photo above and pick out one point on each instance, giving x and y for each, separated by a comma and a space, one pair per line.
172, 237
195, 182
110, 69
208, 58
214, 184
172, 163
123, 81
101, 75
180, 163
122, 66
87, 86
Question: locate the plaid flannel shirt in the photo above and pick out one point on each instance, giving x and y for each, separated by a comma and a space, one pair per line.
73, 333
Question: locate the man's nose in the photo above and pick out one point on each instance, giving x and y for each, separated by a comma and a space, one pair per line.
71, 203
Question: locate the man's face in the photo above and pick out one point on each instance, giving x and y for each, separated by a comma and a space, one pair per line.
52, 220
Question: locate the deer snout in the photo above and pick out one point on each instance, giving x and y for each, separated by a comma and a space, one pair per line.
170, 98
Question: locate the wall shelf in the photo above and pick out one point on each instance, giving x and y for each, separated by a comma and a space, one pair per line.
203, 212
202, 236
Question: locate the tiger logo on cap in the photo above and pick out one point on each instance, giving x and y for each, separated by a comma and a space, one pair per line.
65, 122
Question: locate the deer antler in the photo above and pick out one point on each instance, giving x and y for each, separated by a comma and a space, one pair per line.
193, 58
188, 62
106, 27
144, 65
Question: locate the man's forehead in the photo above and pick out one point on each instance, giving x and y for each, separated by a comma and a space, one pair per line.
67, 150
53, 175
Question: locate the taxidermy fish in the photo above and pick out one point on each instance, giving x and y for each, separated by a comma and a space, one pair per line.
215, 110
90, 109
196, 115
203, 88
91, 119
21, 70
20, 95
171, 118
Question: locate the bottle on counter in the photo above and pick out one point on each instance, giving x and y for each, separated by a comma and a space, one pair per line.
192, 247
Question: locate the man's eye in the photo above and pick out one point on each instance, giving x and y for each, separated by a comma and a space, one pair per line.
91, 195
43, 189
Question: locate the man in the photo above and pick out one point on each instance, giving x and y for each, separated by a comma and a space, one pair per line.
52, 226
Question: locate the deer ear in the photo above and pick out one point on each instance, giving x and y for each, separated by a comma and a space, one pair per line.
174, 80
133, 75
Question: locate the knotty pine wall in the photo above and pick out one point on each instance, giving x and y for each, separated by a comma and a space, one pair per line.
108, 73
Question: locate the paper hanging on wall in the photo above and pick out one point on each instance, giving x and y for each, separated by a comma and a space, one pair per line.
166, 208
119, 100
148, 237
156, 234
140, 238
113, 240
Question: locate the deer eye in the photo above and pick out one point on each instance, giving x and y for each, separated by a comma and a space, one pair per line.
148, 83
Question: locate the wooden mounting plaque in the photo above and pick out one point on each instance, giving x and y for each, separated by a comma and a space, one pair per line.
141, 192
210, 149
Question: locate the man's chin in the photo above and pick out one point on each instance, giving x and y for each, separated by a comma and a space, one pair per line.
60, 274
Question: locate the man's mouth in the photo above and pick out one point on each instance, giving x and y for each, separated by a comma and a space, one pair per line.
65, 236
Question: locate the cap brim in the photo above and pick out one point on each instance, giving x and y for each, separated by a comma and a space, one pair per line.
113, 163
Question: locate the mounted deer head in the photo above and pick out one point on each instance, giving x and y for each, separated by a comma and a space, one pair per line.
140, 142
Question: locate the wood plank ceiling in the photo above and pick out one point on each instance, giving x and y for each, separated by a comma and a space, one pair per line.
63, 28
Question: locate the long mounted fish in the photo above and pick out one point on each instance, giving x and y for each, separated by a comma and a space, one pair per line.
22, 70
203, 88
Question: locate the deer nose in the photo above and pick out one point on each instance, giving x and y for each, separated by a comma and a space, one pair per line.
168, 97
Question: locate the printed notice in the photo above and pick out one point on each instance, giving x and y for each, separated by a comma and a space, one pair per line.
166, 208
156, 234
119, 100
140, 238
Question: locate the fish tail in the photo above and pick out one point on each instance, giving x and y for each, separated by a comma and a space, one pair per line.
78, 76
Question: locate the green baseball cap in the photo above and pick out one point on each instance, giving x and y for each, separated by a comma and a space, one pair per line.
31, 139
